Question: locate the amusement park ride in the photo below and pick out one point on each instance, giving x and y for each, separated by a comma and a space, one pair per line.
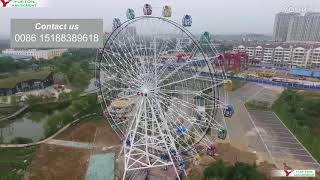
166, 102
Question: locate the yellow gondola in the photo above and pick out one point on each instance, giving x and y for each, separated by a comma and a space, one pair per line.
167, 11
229, 85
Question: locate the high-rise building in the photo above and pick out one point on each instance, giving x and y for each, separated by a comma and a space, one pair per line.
281, 25
294, 27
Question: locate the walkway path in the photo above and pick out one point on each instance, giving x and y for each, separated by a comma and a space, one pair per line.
70, 144
15, 114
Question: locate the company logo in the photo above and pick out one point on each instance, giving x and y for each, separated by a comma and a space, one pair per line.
289, 172
293, 173
5, 3
24, 3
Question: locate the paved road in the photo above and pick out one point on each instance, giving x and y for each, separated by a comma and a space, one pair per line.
263, 132
242, 132
281, 143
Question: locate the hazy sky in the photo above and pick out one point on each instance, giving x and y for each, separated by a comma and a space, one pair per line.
215, 16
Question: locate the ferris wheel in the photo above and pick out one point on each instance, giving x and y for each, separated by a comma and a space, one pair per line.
161, 92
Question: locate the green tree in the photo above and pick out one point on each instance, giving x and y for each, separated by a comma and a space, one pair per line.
238, 171
33, 100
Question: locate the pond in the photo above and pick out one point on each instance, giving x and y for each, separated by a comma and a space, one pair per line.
29, 125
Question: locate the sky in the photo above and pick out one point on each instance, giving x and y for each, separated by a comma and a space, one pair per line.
215, 16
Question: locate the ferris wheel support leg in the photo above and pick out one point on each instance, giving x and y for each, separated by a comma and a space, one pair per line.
163, 137
124, 175
132, 137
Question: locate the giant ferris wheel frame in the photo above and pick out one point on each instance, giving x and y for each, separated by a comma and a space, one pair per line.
173, 153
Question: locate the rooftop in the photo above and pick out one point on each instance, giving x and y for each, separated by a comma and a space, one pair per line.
24, 76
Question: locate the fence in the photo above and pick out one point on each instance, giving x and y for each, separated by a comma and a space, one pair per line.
294, 85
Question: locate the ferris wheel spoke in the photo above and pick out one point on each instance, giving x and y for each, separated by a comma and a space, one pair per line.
188, 61
120, 55
189, 105
120, 70
106, 82
173, 125
177, 116
133, 44
131, 53
176, 82
129, 80
165, 134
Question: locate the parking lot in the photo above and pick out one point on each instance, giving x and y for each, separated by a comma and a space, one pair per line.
280, 143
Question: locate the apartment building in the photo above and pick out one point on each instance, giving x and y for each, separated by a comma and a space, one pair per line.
283, 55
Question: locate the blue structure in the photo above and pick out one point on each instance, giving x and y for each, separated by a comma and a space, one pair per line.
97, 83
128, 143
165, 157
228, 111
116, 24
187, 20
316, 74
173, 152
182, 165
181, 130
199, 63
301, 72
293, 85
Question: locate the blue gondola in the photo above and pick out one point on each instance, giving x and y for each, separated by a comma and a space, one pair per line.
116, 24
165, 157
228, 111
181, 130
186, 20
147, 9
97, 83
130, 14
128, 143
182, 165
173, 152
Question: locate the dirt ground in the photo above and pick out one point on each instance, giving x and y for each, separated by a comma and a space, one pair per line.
53, 162
57, 162
230, 155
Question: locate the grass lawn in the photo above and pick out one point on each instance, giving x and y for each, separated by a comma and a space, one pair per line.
300, 112
11, 81
8, 110
14, 162
236, 84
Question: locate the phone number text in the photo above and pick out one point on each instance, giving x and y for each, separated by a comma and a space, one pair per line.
56, 38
